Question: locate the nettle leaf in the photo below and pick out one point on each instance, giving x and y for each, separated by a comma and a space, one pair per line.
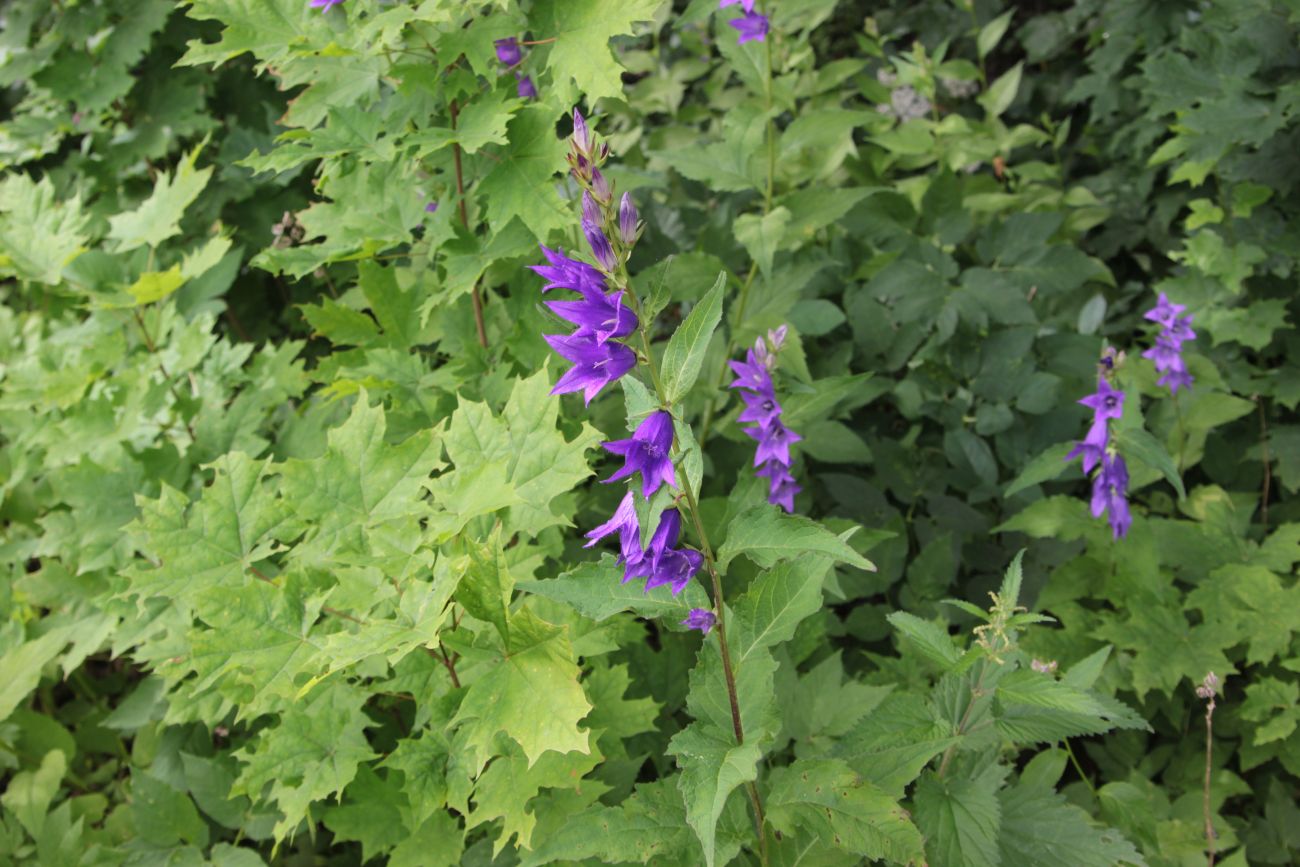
361, 481
1035, 708
159, 216
829, 798
582, 30
212, 543
895, 742
1039, 827
38, 235
961, 818
521, 182
371, 813
712, 766
685, 352
930, 640
312, 754
531, 693
766, 535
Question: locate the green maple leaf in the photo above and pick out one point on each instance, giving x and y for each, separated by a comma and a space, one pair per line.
582, 30
159, 216
1166, 649
268, 28
511, 781
38, 235
531, 693
522, 183
312, 754
371, 814
361, 481
213, 542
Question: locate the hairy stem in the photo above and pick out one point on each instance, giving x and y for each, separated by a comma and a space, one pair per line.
475, 297
1206, 806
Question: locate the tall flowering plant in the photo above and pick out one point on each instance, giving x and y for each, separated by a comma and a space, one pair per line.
1110, 484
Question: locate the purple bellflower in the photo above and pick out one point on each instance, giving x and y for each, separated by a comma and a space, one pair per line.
773, 443
600, 247
596, 365
1109, 494
701, 619
663, 563
508, 51
752, 26
1106, 403
1167, 353
625, 524
524, 87
597, 315
648, 452
566, 273
431, 208
772, 456
324, 5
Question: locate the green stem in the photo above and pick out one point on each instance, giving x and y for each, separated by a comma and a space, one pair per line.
1079, 768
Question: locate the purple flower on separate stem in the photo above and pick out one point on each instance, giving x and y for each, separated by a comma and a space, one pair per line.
431, 208
624, 523
701, 619
525, 87
600, 247
747, 5
596, 365
773, 443
1165, 311
324, 5
1107, 402
597, 315
648, 452
566, 273
752, 26
508, 51
627, 219
1109, 489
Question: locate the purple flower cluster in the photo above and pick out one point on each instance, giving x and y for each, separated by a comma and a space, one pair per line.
751, 25
772, 457
511, 55
1110, 484
603, 320
1175, 330
601, 316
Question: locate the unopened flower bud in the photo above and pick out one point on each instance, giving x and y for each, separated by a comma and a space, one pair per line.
600, 187
600, 247
627, 219
581, 135
591, 211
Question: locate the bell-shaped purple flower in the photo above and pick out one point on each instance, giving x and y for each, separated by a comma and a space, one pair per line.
1109, 494
600, 247
773, 443
752, 26
508, 51
1092, 446
431, 207
648, 452
524, 87
760, 407
624, 523
663, 562
701, 619
627, 219
752, 373
1107, 402
781, 484
566, 273
1175, 378
595, 366
597, 315
1165, 311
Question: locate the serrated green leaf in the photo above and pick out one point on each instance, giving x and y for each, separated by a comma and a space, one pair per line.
597, 591
582, 30
159, 216
762, 235
778, 600
712, 766
30, 793
766, 535
932, 641
521, 182
1039, 827
961, 819
686, 348
1047, 466
991, 33
38, 235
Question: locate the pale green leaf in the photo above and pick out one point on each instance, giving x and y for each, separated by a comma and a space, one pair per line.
686, 348
159, 216
765, 534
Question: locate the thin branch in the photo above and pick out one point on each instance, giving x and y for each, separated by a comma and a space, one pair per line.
475, 297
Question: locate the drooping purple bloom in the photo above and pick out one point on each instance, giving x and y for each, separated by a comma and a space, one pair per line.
747, 5
1181, 330
566, 273
324, 5
431, 208
624, 523
627, 219
773, 443
1175, 378
752, 373
752, 26
760, 407
664, 563
782, 494
595, 366
1092, 446
508, 51
600, 247
597, 315
1106, 403
648, 452
1109, 494
701, 619
524, 87
1167, 353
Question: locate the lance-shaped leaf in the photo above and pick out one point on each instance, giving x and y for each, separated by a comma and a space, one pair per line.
685, 351
827, 797
713, 766
532, 694
776, 602
766, 535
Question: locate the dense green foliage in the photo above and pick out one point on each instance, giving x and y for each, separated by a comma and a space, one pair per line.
292, 530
